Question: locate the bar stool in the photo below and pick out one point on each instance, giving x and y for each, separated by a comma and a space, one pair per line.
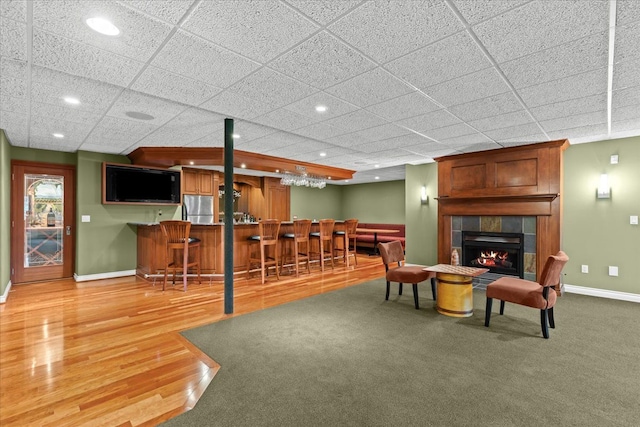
296, 241
325, 240
268, 230
176, 236
345, 236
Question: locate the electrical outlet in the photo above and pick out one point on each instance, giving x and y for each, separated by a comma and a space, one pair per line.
633, 220
585, 268
613, 270
86, 218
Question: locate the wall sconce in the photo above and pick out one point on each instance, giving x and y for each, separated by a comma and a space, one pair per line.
603, 191
424, 199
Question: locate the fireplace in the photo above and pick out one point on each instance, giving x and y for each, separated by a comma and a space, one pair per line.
501, 253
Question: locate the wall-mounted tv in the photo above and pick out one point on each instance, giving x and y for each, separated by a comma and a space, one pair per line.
135, 184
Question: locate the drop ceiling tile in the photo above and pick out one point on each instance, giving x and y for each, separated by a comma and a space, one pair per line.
322, 61
409, 140
45, 126
271, 88
14, 123
266, 143
626, 113
572, 87
13, 88
386, 131
626, 74
323, 11
470, 87
10, 103
53, 145
487, 107
249, 131
510, 133
64, 113
140, 35
588, 104
539, 25
371, 87
428, 153
164, 84
13, 39
58, 53
14, 9
104, 147
444, 60
319, 131
626, 97
452, 131
355, 121
348, 140
425, 148
502, 121
405, 106
188, 126
627, 46
335, 106
575, 121
213, 140
131, 101
523, 140
260, 30
627, 11
236, 106
118, 132
170, 11
571, 58
284, 119
593, 132
193, 57
465, 140
388, 30
475, 11
483, 146
311, 153
425, 122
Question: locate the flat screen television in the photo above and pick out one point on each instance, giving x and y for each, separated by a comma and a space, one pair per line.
135, 184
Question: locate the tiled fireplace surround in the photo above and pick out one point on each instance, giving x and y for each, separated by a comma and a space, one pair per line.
499, 224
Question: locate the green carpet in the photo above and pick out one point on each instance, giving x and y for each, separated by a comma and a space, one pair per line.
351, 358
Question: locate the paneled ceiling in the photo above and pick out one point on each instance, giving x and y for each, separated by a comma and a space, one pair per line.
403, 81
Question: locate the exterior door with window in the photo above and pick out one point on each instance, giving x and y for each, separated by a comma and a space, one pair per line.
43, 221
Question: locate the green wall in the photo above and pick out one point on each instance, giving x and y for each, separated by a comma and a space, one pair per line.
421, 231
314, 203
5, 213
596, 232
382, 202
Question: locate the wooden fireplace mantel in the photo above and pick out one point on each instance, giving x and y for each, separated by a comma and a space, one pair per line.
524, 180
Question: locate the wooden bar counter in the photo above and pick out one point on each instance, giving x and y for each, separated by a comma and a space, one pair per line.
150, 246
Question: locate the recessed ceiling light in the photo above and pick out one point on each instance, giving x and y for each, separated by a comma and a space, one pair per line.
191, 162
323, 154
277, 170
346, 180
243, 166
58, 135
235, 135
138, 115
376, 166
103, 26
321, 108
328, 177
377, 177
71, 100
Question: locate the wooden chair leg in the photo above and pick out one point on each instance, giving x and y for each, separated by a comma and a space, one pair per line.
544, 324
185, 268
501, 307
487, 315
434, 293
262, 262
388, 288
415, 296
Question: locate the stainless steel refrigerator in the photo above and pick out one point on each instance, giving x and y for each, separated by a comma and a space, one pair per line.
198, 209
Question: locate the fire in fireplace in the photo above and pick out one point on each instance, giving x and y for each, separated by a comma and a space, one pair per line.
501, 253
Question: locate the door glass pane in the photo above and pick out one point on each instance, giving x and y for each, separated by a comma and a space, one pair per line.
43, 214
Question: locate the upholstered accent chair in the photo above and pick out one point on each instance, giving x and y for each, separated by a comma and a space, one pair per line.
528, 293
392, 254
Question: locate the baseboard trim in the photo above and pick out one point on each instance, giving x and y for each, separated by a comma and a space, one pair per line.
5, 295
110, 275
602, 293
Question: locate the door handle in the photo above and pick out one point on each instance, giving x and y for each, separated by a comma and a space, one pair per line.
68, 230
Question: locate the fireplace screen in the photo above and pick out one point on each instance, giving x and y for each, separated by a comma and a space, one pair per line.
501, 253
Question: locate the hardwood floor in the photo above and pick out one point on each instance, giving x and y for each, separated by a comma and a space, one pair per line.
109, 352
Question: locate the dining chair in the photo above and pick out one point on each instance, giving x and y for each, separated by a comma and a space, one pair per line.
325, 241
296, 245
528, 293
181, 251
392, 255
268, 233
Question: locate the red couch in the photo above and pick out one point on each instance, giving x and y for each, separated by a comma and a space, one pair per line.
365, 240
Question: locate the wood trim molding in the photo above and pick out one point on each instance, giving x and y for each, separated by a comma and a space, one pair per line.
167, 157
